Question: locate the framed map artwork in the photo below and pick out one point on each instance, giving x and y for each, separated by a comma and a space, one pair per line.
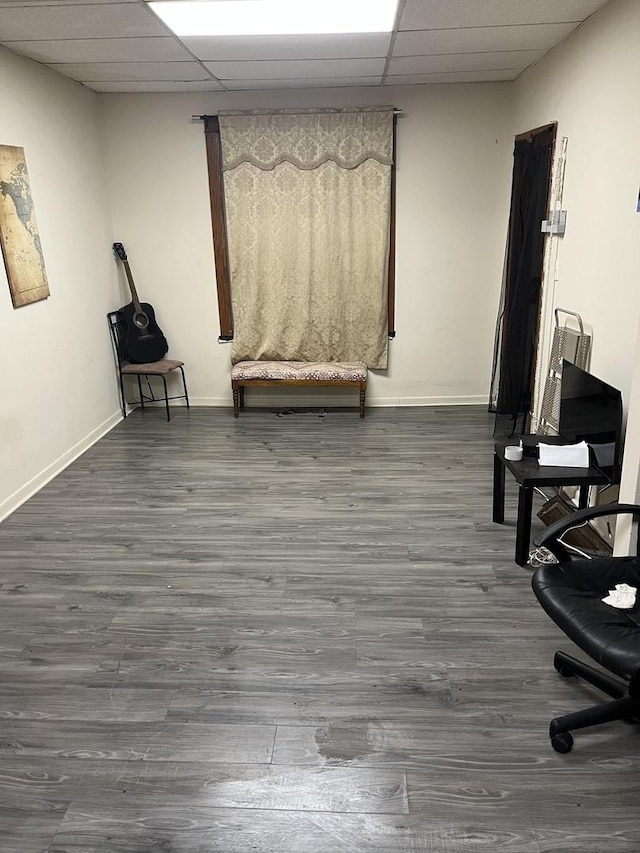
19, 235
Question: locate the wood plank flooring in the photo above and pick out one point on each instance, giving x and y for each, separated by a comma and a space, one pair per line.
290, 633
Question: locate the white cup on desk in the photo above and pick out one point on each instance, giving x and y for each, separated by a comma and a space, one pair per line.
513, 453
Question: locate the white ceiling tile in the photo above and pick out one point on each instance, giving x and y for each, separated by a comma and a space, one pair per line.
436, 14
296, 69
155, 86
302, 83
481, 39
67, 22
453, 77
103, 50
520, 59
122, 46
85, 72
221, 48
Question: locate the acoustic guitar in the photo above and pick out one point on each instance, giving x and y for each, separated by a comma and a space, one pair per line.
143, 341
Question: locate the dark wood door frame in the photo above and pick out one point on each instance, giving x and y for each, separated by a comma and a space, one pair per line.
541, 135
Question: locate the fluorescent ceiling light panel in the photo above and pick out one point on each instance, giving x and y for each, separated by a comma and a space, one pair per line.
275, 17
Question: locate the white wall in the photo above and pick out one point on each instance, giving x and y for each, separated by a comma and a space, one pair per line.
453, 181
57, 384
590, 86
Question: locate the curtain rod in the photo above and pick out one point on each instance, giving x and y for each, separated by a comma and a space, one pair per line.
396, 112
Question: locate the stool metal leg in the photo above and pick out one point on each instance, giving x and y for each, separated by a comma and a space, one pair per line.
123, 402
166, 396
184, 385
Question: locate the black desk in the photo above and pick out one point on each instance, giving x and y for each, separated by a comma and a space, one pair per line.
528, 474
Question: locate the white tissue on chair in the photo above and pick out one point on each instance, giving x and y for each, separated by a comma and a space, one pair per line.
623, 596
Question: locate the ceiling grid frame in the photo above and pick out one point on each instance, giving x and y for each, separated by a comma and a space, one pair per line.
122, 46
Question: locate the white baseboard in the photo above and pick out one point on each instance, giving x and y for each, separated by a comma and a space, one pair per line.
293, 398
34, 485
478, 400
216, 402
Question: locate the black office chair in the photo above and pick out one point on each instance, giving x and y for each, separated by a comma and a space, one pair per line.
162, 368
571, 592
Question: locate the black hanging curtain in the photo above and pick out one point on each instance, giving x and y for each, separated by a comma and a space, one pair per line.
514, 357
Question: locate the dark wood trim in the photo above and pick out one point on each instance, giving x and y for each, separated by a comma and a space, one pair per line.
542, 135
219, 225
391, 279
536, 135
528, 135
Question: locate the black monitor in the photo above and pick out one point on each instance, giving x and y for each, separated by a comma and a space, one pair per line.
591, 410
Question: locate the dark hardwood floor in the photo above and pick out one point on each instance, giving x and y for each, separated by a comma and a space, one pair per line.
289, 633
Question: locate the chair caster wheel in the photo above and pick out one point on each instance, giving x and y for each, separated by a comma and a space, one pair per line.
562, 742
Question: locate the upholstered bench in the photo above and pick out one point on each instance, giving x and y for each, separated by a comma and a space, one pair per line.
245, 374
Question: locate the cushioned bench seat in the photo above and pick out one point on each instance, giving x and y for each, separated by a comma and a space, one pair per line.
305, 373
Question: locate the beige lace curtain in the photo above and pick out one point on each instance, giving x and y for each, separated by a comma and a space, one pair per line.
307, 197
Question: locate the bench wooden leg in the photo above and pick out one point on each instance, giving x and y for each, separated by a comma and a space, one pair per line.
238, 387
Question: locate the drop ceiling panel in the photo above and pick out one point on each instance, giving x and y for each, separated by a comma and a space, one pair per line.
481, 39
5, 3
132, 71
296, 69
155, 86
123, 46
442, 14
103, 50
99, 20
453, 77
302, 83
519, 59
288, 47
